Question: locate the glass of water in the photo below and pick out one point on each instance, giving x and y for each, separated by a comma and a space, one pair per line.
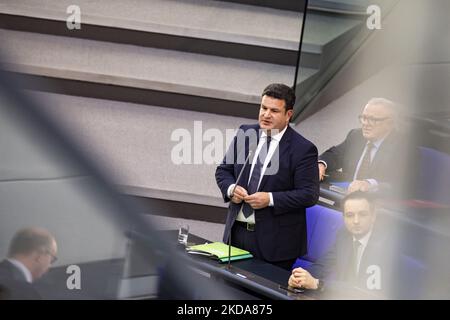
183, 234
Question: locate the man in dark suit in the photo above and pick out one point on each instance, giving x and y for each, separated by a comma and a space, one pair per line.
266, 215
363, 258
31, 253
375, 157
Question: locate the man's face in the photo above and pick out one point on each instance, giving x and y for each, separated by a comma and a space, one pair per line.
273, 114
358, 217
377, 121
44, 260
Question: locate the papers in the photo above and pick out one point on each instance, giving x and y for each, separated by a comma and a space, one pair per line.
219, 251
339, 187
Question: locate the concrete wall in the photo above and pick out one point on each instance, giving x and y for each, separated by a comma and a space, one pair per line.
39, 186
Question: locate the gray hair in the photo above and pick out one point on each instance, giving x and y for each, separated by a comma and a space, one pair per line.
385, 102
28, 240
390, 105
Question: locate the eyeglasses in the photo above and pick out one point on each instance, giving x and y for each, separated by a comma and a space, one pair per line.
54, 258
371, 120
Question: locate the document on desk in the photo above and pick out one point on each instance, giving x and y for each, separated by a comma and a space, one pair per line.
219, 251
339, 187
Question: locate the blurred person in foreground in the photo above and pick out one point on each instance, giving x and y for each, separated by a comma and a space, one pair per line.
31, 253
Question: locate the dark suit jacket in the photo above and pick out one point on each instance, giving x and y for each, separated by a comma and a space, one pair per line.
13, 284
335, 264
394, 164
399, 278
280, 230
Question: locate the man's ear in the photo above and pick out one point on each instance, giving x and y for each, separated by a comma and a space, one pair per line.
289, 113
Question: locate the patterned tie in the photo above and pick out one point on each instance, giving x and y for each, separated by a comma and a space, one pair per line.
256, 174
363, 172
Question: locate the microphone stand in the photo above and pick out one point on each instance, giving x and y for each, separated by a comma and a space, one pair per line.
250, 152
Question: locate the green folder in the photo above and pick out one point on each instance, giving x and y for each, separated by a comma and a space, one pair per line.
219, 251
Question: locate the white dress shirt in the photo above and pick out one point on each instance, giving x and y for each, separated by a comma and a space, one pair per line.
273, 146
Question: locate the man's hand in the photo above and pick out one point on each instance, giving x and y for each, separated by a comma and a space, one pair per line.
239, 195
258, 200
322, 171
300, 278
358, 185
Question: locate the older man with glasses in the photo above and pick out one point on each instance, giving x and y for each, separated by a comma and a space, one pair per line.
374, 157
31, 253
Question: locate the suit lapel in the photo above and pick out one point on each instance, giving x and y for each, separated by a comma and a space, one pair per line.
243, 181
246, 174
15, 273
380, 155
344, 256
356, 153
283, 153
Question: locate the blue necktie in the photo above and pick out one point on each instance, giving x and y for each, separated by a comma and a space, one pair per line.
256, 175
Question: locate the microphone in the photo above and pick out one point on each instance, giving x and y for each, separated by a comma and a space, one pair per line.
250, 152
242, 171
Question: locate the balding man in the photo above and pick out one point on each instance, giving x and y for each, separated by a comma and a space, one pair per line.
31, 253
375, 156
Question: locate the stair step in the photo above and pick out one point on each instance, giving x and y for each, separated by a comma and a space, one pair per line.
142, 68
323, 29
200, 26
131, 140
342, 6
325, 34
208, 27
205, 19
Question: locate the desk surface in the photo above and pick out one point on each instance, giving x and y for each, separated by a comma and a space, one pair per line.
252, 274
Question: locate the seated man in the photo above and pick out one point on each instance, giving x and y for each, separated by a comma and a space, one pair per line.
361, 257
31, 252
374, 157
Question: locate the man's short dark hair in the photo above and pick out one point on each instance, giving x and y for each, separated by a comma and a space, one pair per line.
28, 240
358, 195
282, 92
